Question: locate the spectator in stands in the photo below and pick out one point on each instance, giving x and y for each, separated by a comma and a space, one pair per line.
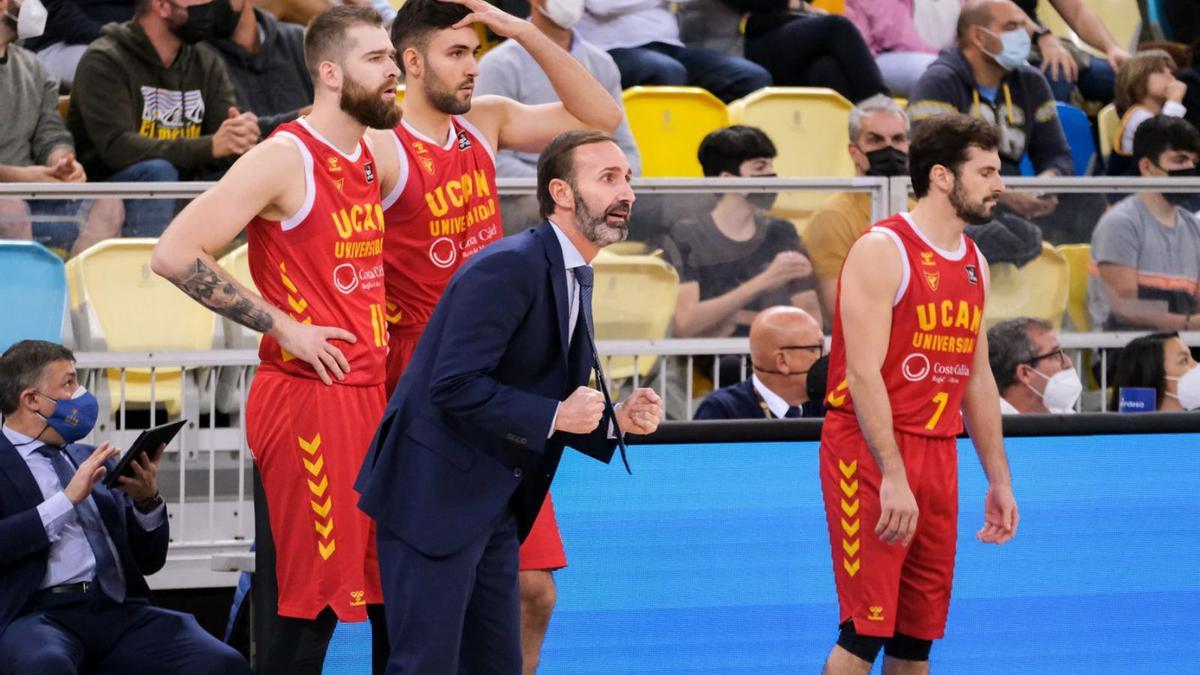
36, 148
643, 39
879, 147
70, 27
1146, 86
784, 344
1159, 361
736, 260
508, 70
935, 21
149, 105
987, 77
1065, 65
1033, 373
800, 46
265, 60
74, 551
899, 51
1146, 248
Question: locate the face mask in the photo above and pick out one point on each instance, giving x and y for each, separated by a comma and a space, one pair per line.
564, 13
201, 24
1014, 48
73, 418
30, 19
764, 201
1188, 389
1185, 200
887, 161
1062, 390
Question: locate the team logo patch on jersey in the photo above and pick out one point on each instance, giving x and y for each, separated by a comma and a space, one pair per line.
932, 279
972, 276
927, 258
332, 165
464, 141
427, 164
369, 172
915, 367
418, 147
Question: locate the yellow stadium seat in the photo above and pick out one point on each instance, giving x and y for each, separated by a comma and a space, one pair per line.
119, 304
1107, 123
1121, 17
668, 124
831, 6
634, 300
400, 89
809, 126
1079, 258
1039, 289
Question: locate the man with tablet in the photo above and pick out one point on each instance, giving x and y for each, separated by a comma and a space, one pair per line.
73, 552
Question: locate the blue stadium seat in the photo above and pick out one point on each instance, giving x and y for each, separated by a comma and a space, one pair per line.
1078, 131
33, 293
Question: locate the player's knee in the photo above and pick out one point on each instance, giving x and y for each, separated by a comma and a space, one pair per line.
865, 647
538, 594
42, 659
909, 648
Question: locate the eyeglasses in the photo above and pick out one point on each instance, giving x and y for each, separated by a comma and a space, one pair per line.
1059, 354
820, 347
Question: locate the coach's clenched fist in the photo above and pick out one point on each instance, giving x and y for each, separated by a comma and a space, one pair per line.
581, 412
641, 412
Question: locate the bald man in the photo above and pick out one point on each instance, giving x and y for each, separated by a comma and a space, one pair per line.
784, 344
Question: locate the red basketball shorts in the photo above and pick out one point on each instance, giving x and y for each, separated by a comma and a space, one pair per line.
543, 548
884, 588
309, 440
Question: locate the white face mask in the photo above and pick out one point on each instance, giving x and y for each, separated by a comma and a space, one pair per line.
1187, 388
564, 13
1062, 390
31, 19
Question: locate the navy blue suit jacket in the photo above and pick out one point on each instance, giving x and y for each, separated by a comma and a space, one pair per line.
740, 402
465, 433
25, 547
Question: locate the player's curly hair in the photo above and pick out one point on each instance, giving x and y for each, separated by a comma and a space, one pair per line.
418, 19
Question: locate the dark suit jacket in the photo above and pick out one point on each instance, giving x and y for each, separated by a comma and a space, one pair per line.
25, 548
465, 434
740, 402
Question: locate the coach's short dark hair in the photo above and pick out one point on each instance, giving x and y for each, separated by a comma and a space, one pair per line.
725, 149
1009, 346
22, 367
418, 19
1163, 133
558, 161
325, 38
945, 140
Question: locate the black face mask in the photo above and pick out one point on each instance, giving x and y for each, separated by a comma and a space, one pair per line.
763, 200
212, 20
887, 162
1186, 200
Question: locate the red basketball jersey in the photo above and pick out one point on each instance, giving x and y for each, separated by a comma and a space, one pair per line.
324, 264
443, 210
936, 318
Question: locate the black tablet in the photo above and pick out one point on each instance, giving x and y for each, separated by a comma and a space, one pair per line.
147, 443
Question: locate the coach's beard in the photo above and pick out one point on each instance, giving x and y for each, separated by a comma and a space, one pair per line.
369, 108
605, 228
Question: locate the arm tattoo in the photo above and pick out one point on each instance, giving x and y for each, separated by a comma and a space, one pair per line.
206, 286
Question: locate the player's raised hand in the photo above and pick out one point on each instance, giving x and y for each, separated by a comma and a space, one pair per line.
501, 22
312, 345
898, 511
1000, 515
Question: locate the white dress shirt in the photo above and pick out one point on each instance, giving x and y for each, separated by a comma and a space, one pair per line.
775, 403
71, 559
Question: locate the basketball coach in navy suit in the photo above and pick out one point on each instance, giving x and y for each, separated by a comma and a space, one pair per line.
473, 434
73, 552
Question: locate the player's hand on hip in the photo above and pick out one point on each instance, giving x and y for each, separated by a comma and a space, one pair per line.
90, 471
501, 22
641, 412
898, 506
581, 412
312, 344
1000, 515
